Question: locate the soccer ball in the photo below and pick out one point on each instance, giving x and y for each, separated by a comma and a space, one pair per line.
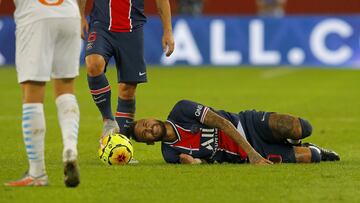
116, 149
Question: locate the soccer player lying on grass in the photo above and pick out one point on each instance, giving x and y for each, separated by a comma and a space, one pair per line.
194, 133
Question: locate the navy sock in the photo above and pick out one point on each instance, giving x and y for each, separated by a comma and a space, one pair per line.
101, 94
306, 128
125, 115
315, 155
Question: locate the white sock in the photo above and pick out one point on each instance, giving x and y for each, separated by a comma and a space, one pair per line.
33, 127
69, 115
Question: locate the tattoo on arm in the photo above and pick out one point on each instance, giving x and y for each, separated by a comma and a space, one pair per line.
216, 121
213, 120
285, 126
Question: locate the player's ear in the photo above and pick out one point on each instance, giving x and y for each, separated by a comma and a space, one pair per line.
150, 143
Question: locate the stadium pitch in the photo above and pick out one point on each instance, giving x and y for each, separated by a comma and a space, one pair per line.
328, 98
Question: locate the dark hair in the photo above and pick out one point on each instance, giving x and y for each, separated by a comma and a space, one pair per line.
131, 132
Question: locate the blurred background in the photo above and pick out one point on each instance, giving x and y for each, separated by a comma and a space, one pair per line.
227, 56
241, 32
241, 7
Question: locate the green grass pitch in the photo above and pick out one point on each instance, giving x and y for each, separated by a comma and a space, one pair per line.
330, 99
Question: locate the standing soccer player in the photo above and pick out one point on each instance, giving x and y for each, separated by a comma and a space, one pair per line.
48, 47
116, 30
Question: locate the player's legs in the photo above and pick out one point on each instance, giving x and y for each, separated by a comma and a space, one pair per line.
95, 65
33, 91
326, 154
129, 57
65, 69
33, 66
288, 127
306, 155
98, 52
126, 106
99, 85
282, 153
33, 127
266, 132
101, 91
126, 109
68, 116
268, 140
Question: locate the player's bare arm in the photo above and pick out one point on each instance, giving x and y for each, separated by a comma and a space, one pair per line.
214, 120
164, 11
84, 22
188, 159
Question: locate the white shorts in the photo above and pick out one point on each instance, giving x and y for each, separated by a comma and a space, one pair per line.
48, 48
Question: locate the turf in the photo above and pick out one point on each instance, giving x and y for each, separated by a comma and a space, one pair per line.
330, 99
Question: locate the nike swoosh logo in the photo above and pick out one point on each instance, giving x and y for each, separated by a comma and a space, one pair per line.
97, 102
142, 73
98, 97
263, 118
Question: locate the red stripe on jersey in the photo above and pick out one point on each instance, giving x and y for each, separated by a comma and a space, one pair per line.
120, 11
100, 91
187, 140
229, 145
124, 115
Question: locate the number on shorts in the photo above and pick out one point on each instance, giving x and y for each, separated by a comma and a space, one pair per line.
51, 2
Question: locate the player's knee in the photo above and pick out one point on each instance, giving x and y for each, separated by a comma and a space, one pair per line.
94, 69
306, 128
127, 90
94, 65
315, 155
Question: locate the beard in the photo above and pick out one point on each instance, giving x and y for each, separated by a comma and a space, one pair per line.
162, 131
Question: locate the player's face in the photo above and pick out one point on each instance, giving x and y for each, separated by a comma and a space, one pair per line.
149, 130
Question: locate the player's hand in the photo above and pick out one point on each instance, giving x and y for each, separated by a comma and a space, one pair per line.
187, 159
168, 44
84, 27
258, 159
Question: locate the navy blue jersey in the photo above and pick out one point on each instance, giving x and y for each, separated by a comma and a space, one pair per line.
211, 144
197, 139
118, 15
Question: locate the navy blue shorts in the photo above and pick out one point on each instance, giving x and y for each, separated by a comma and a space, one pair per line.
260, 137
126, 47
